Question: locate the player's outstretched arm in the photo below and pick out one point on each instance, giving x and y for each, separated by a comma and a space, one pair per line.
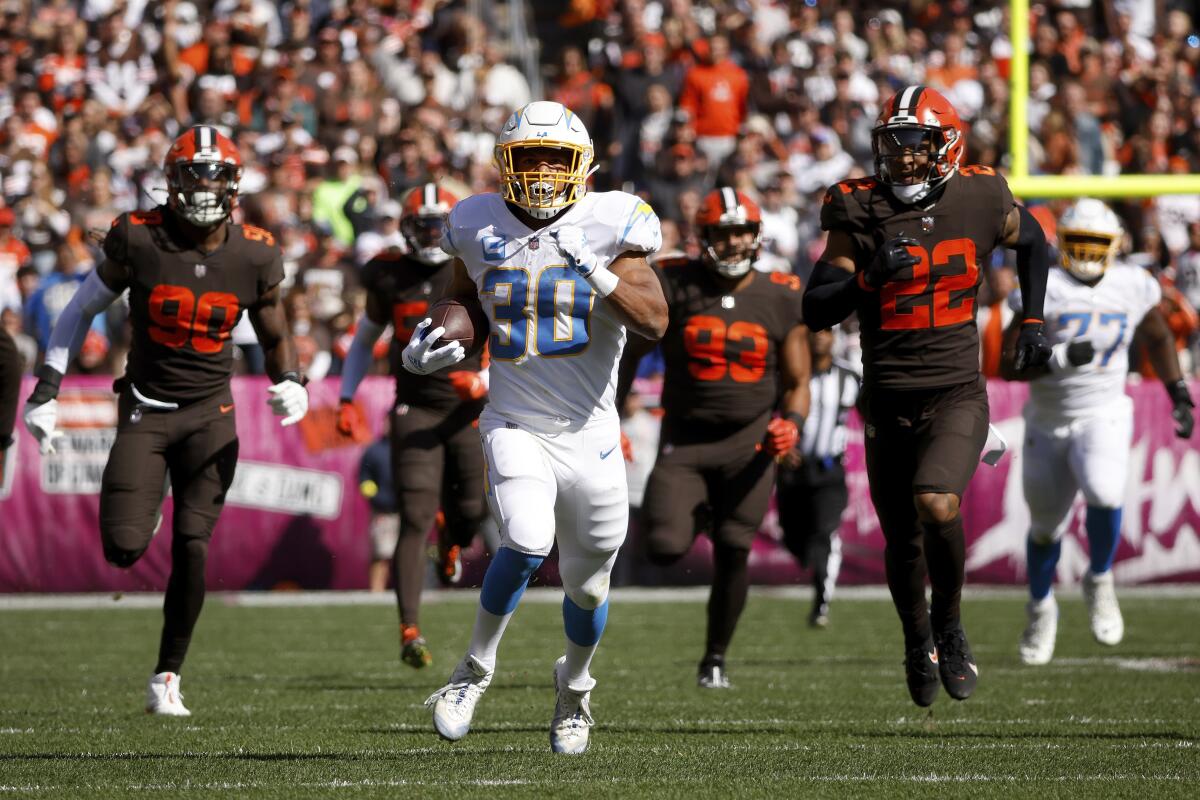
96, 293
1024, 235
358, 362
638, 298
796, 371
833, 290
1155, 334
795, 367
289, 398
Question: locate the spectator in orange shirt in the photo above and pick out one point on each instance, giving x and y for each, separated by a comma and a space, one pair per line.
714, 95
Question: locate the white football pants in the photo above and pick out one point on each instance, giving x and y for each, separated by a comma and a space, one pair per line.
1061, 457
570, 486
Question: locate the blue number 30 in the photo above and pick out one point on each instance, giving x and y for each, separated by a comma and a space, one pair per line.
558, 288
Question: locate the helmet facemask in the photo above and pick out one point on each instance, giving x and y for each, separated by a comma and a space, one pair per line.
912, 159
1087, 254
727, 257
424, 236
543, 194
203, 192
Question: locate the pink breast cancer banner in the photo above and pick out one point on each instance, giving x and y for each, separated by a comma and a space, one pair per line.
295, 519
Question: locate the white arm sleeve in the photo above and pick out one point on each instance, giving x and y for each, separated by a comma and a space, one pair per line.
89, 299
359, 359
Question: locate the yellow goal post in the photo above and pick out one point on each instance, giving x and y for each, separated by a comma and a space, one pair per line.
1025, 185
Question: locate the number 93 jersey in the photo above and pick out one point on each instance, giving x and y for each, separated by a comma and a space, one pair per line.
918, 330
722, 350
183, 303
1107, 314
554, 344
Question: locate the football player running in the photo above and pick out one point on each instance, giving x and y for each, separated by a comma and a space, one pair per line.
436, 457
905, 251
190, 273
1079, 421
735, 352
561, 275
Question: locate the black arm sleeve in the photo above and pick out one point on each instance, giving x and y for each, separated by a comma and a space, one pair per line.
832, 295
1033, 264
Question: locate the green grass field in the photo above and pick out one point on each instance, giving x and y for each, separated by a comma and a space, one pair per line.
300, 702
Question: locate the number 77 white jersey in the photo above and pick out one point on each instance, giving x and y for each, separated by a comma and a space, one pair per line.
555, 344
1106, 314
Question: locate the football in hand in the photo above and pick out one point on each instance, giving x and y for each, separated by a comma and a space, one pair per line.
467, 326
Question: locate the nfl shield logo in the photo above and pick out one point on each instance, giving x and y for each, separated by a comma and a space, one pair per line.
535, 243
201, 270
926, 224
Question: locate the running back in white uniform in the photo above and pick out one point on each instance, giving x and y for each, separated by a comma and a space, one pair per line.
550, 431
555, 345
1079, 421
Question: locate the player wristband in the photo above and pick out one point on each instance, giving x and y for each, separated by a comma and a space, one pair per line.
861, 280
49, 379
603, 281
292, 375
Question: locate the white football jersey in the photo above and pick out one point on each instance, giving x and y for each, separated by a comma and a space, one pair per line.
1107, 314
555, 344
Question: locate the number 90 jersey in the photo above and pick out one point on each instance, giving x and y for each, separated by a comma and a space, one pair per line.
555, 344
183, 303
918, 330
1106, 313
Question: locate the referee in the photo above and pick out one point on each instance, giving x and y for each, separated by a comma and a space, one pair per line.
811, 490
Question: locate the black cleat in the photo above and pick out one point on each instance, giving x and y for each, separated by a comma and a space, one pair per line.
956, 664
921, 673
819, 616
712, 674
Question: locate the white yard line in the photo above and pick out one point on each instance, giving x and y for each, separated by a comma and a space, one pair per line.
686, 594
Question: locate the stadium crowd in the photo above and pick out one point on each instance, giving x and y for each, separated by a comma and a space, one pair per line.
340, 106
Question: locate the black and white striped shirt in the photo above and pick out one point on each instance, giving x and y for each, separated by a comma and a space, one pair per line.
833, 395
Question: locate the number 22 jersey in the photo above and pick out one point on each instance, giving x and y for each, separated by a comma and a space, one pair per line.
918, 330
554, 343
183, 302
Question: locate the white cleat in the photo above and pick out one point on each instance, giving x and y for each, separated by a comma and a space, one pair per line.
454, 704
572, 715
163, 696
1101, 597
1037, 642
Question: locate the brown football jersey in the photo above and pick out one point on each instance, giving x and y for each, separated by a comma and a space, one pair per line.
183, 302
722, 350
918, 330
408, 287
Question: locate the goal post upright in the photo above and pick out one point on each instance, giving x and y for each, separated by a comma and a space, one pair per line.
1025, 185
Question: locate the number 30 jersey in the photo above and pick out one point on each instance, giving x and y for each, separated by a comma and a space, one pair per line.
722, 350
554, 344
183, 303
918, 330
1107, 314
